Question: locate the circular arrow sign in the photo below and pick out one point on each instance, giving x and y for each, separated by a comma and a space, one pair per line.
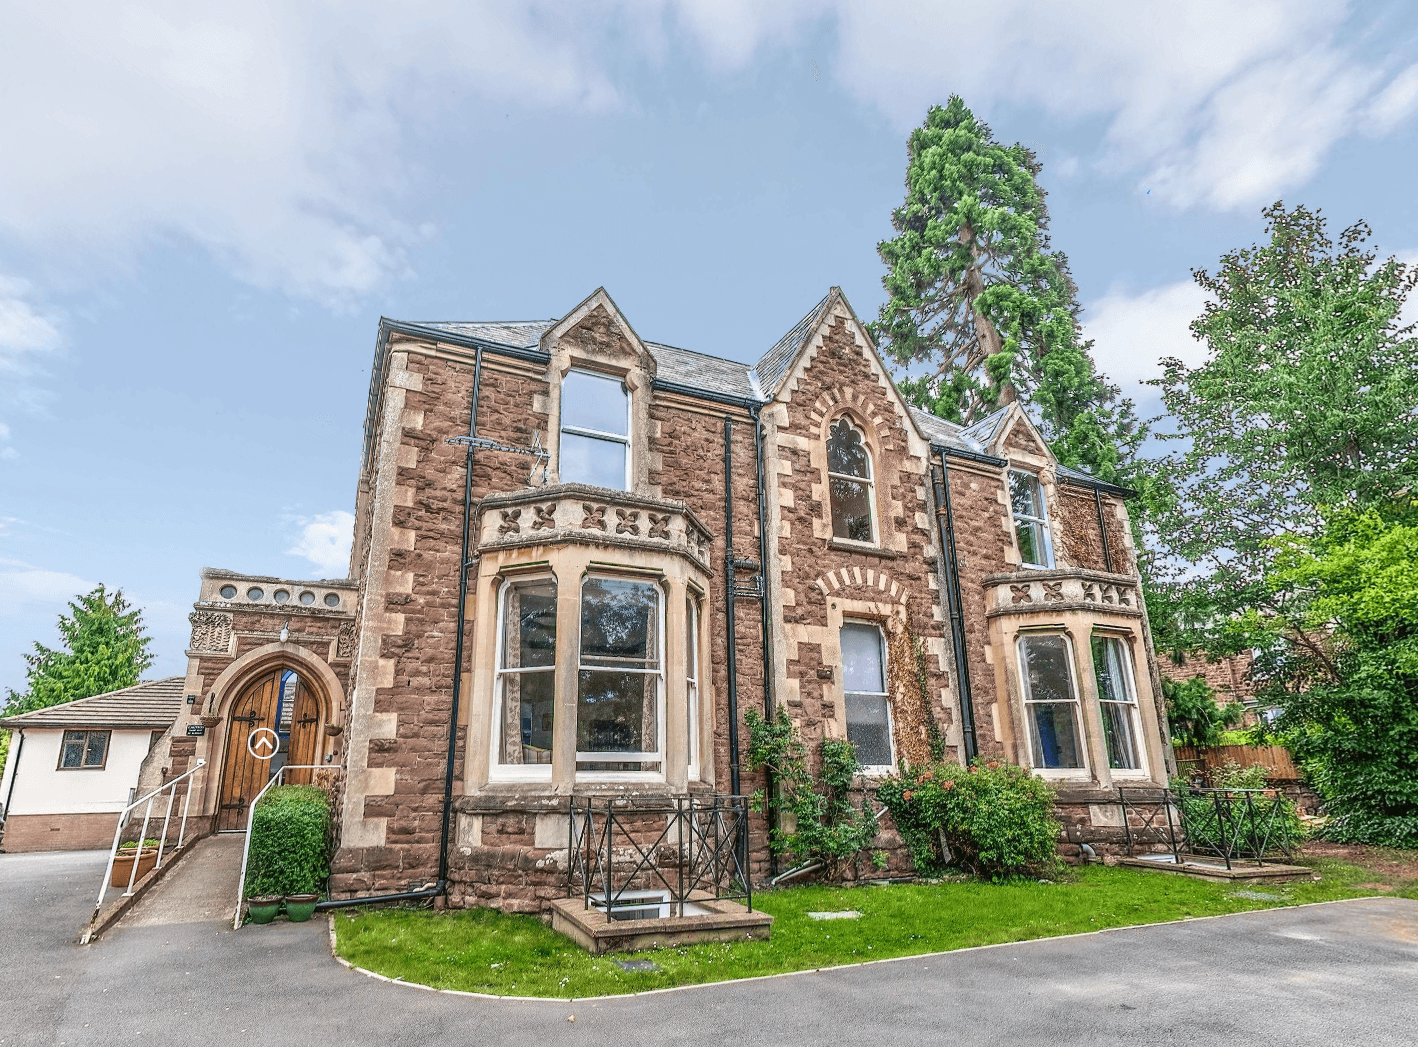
263, 743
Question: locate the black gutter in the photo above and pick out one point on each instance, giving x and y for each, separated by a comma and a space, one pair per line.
970, 456
1098, 485
747, 403
763, 590
730, 584
464, 340
950, 581
441, 887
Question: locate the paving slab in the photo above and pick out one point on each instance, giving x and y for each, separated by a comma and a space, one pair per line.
1331, 974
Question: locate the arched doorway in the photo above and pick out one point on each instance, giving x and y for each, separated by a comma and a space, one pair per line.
275, 721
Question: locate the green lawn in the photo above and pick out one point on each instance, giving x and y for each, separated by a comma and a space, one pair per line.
487, 951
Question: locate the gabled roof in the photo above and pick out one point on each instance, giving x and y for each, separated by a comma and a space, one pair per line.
774, 365
153, 704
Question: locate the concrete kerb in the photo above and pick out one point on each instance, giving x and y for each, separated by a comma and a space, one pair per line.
334, 952
106, 918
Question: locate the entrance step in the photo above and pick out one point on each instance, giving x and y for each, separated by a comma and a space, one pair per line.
199, 890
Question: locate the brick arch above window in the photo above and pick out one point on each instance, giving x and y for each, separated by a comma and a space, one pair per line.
861, 578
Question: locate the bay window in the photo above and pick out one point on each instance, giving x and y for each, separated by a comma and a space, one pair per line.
1117, 701
526, 679
691, 683
620, 684
1051, 701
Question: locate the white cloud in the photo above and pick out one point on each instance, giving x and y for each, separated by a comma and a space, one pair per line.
325, 541
1132, 332
28, 589
1394, 104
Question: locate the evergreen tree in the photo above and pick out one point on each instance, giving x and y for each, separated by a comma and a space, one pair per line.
105, 647
976, 292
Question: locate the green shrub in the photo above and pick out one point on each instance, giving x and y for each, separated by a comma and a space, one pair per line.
288, 842
993, 818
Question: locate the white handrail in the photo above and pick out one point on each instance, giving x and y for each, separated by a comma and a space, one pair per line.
251, 815
170, 788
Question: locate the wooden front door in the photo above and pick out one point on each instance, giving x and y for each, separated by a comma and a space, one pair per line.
275, 721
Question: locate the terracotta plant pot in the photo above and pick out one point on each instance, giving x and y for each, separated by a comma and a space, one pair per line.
300, 907
334, 730
123, 865
263, 909
210, 721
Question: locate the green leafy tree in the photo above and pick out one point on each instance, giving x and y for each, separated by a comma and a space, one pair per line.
1349, 690
1193, 717
1307, 397
978, 295
105, 647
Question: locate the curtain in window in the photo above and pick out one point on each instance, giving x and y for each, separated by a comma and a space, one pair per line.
1117, 699
527, 672
1051, 702
618, 688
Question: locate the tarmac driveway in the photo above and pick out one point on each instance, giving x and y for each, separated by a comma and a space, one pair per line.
1341, 973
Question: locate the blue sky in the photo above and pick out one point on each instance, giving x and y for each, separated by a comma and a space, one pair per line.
204, 209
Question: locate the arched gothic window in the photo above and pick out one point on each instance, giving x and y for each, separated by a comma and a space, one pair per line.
849, 478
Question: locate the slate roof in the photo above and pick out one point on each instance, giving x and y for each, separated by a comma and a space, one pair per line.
774, 364
153, 704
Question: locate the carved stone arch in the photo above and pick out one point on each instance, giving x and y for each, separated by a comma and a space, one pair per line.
238, 674
843, 578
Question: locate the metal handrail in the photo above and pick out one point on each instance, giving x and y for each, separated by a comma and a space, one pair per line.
251, 815
171, 789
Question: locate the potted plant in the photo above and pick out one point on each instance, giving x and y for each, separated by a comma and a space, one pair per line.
146, 857
263, 908
300, 907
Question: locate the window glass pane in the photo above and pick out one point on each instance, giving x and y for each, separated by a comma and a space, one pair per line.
1052, 707
1120, 737
861, 658
528, 710
1055, 735
869, 729
851, 509
528, 697
529, 625
593, 401
691, 687
620, 623
846, 453
1024, 495
97, 750
73, 753
1031, 544
616, 712
1109, 665
588, 460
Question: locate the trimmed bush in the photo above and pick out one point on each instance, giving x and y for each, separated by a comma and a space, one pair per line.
993, 818
289, 853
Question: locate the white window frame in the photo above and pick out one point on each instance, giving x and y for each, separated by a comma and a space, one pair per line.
634, 757
1079, 722
693, 669
871, 770
597, 434
1042, 521
869, 481
517, 772
1130, 687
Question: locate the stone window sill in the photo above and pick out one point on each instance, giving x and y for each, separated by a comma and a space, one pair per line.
865, 550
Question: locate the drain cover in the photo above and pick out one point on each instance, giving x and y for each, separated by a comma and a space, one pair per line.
845, 914
636, 965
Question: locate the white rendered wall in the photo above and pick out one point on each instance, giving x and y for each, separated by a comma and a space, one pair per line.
43, 789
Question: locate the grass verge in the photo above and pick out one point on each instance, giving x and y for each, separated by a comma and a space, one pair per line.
482, 950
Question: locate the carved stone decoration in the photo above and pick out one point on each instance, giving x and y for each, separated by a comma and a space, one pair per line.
595, 516
345, 641
659, 525
627, 521
1090, 592
211, 631
1124, 597
546, 517
510, 522
1053, 591
1020, 594
1109, 594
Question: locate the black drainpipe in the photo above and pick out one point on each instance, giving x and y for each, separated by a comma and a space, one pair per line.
729, 585
14, 770
1103, 530
950, 578
441, 887
764, 590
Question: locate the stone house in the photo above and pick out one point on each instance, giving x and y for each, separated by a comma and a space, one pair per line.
655, 540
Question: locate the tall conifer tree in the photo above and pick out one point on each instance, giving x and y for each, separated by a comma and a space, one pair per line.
977, 293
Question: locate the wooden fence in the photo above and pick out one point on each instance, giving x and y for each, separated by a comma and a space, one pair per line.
1275, 759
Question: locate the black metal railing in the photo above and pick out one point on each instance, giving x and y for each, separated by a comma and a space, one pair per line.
684, 848
1229, 825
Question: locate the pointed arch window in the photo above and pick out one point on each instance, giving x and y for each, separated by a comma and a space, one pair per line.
849, 479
